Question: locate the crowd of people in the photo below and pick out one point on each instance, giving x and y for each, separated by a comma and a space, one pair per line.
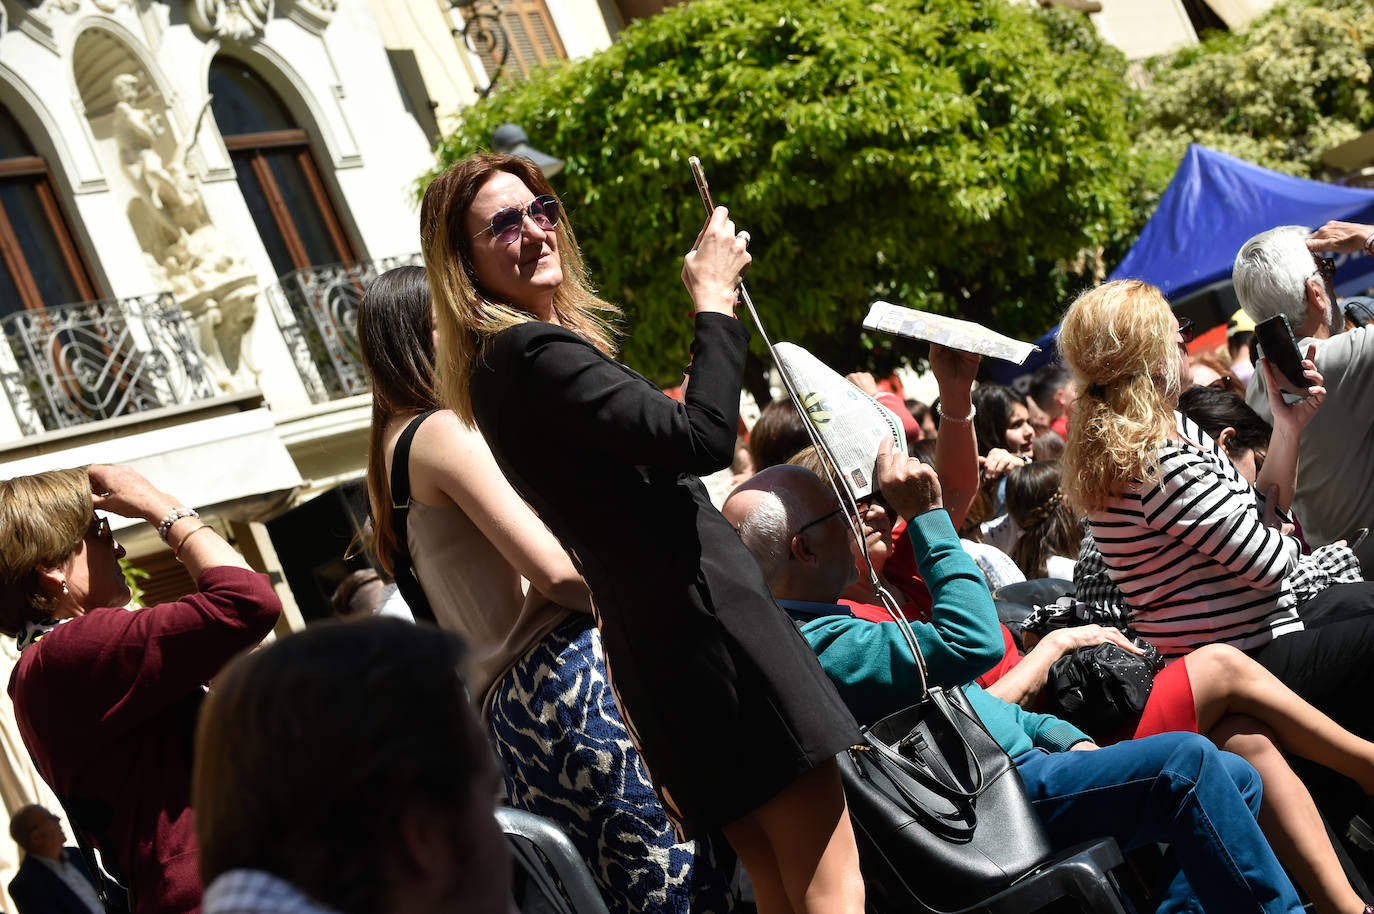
670, 683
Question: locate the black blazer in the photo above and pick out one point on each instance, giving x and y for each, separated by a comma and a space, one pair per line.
38, 890
710, 669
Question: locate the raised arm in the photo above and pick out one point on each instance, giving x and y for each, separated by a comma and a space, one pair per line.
133, 665
451, 459
956, 451
962, 641
582, 396
1278, 478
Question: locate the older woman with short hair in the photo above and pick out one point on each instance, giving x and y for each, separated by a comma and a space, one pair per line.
106, 699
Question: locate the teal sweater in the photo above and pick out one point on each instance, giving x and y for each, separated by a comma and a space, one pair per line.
875, 672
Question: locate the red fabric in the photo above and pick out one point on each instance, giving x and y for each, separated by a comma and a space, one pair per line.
910, 427
902, 571
1060, 427
1171, 707
106, 704
1010, 658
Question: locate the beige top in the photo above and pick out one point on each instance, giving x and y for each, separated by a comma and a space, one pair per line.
476, 593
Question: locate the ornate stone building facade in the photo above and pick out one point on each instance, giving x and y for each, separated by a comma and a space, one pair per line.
193, 196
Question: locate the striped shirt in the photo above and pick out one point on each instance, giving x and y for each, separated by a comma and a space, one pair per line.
1192, 557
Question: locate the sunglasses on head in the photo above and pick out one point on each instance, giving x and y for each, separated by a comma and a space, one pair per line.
509, 223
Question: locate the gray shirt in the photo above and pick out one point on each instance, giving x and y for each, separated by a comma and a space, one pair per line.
1335, 493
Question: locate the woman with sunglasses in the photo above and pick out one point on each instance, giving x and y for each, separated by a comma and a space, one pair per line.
106, 699
734, 718
534, 665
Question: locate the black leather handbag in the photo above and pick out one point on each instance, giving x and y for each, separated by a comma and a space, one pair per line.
1101, 688
940, 814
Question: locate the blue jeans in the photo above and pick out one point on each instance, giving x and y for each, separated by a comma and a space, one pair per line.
1176, 788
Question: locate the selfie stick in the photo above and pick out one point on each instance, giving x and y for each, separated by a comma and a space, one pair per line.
827, 456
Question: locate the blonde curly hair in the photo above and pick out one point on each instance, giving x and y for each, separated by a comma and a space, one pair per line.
1119, 340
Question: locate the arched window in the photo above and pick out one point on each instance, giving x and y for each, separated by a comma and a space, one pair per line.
297, 220
40, 263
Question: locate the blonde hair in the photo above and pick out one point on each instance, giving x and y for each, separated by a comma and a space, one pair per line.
43, 519
464, 312
1118, 340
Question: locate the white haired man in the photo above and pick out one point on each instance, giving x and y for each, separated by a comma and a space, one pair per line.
1284, 271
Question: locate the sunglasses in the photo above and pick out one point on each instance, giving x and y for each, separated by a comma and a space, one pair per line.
100, 530
1185, 330
509, 223
1326, 266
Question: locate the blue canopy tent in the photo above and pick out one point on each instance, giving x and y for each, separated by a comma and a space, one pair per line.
1214, 203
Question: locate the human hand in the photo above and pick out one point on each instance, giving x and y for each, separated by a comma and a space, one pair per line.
999, 462
1293, 417
910, 487
1340, 237
864, 381
122, 490
1084, 745
1270, 516
1067, 640
954, 369
713, 269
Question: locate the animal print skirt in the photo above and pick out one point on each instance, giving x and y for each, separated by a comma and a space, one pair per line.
568, 757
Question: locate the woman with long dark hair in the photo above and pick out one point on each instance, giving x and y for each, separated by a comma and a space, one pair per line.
734, 716
534, 655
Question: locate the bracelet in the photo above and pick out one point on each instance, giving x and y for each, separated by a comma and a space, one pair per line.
174, 515
176, 553
1369, 245
955, 420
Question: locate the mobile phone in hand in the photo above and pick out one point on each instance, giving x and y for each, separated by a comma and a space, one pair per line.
1278, 346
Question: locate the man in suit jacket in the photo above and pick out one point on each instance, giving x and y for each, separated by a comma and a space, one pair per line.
53, 879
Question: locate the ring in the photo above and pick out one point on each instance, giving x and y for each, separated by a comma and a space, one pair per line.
745, 236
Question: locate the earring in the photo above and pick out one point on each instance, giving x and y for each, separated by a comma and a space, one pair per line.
64, 585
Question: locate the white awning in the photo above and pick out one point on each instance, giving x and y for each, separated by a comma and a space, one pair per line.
230, 463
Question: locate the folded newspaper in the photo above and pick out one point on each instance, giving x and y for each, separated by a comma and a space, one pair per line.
849, 421
947, 331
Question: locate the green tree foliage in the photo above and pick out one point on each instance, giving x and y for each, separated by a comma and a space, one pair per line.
1279, 92
954, 155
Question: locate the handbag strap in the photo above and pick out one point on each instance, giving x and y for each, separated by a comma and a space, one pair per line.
401, 563
942, 780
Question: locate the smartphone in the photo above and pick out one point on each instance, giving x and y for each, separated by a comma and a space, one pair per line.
1357, 539
1278, 346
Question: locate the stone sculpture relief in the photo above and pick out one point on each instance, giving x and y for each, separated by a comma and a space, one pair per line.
237, 20
213, 284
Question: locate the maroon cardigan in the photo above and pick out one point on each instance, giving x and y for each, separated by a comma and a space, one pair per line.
107, 706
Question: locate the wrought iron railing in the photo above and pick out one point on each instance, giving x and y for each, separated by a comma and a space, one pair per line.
317, 311
72, 364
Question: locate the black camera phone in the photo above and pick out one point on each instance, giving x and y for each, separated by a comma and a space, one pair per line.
1278, 346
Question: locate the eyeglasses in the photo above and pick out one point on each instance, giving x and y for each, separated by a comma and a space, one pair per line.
820, 520
100, 529
509, 223
1185, 330
1326, 266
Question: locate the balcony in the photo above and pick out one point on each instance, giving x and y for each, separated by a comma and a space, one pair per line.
73, 364
317, 311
